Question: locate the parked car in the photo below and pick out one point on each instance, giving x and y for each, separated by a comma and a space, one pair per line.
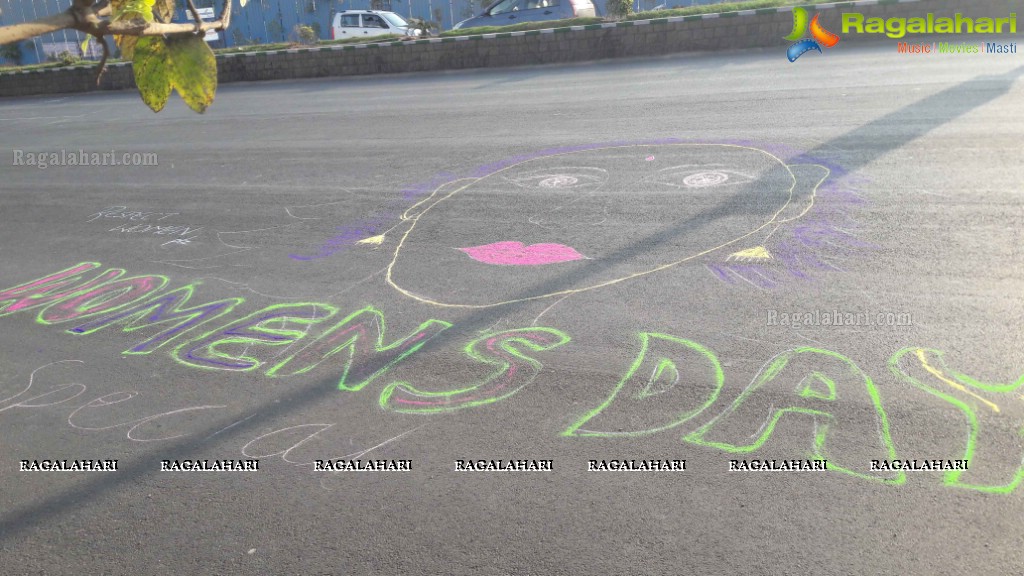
505, 12
368, 23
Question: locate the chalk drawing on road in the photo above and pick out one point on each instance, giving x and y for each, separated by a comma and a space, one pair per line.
989, 471
64, 386
821, 392
649, 398
178, 241
239, 255
133, 215
264, 260
563, 222
140, 223
519, 254
721, 204
373, 240
586, 205
818, 394
822, 388
750, 254
922, 357
815, 235
55, 392
515, 371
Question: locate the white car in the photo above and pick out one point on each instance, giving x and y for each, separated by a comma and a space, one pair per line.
368, 23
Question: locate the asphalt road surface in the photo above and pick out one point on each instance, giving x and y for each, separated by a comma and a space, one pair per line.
718, 259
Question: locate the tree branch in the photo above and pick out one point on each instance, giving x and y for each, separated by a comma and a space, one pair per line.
106, 54
225, 14
92, 19
155, 28
26, 30
195, 14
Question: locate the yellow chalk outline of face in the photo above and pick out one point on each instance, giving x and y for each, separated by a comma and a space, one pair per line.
415, 219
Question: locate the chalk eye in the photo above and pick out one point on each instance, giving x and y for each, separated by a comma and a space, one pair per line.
567, 178
699, 177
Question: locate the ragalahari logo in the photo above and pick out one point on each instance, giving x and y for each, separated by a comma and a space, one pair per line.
821, 37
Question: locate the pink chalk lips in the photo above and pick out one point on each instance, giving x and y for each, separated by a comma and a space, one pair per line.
519, 254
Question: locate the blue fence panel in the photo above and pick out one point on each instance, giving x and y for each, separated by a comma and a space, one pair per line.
265, 21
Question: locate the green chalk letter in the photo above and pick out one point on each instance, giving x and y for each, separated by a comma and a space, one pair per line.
169, 307
358, 343
252, 332
106, 297
926, 370
52, 288
831, 392
502, 349
671, 381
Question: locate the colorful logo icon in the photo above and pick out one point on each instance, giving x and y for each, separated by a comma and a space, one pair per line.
821, 37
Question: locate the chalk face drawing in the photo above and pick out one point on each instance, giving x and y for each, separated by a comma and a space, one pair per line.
305, 241
570, 222
754, 215
519, 254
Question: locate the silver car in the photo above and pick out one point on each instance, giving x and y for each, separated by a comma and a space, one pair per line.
369, 23
506, 12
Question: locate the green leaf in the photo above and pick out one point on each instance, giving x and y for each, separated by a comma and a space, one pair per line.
152, 66
193, 71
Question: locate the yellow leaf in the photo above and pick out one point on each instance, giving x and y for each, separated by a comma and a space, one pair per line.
185, 64
129, 9
151, 65
193, 71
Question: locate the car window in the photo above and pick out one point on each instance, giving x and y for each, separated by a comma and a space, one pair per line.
505, 6
396, 20
373, 21
350, 20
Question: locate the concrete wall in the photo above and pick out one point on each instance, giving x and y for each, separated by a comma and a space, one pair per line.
710, 32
